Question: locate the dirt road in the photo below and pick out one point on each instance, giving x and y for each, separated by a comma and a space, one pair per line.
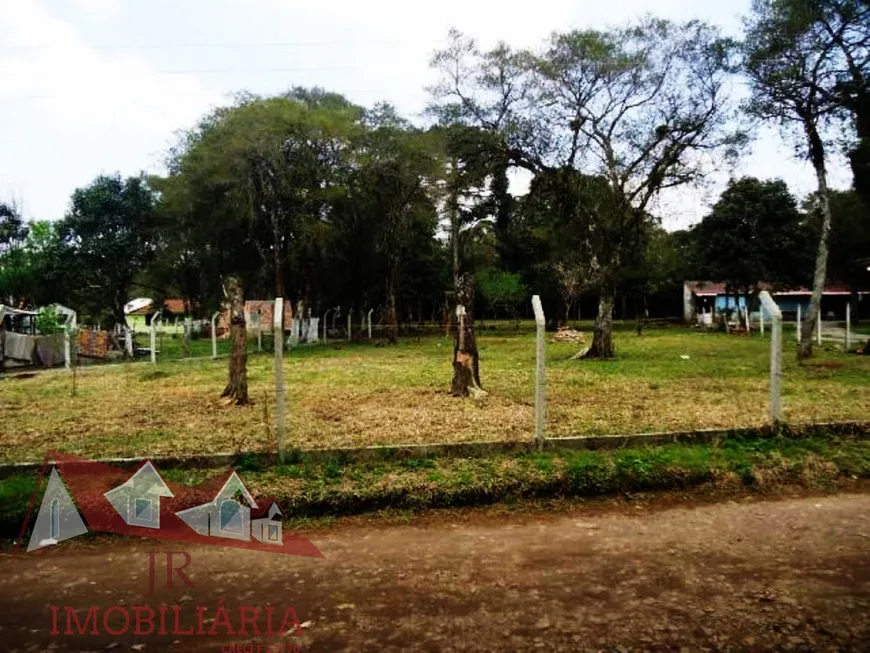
748, 575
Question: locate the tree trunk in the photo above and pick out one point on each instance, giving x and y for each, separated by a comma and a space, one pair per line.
817, 155
453, 208
120, 301
447, 316
466, 361
602, 339
2, 344
237, 384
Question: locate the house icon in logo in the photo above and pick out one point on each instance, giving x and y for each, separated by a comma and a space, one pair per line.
58, 518
138, 499
227, 514
82, 495
266, 522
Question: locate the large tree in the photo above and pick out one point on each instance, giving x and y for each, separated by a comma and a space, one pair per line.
110, 232
754, 233
15, 273
850, 237
471, 168
795, 59
391, 187
846, 24
638, 106
277, 159
260, 174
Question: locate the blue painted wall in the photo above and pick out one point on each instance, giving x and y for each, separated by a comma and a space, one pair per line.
727, 302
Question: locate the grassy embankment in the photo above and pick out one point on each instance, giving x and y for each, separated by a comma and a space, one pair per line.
339, 487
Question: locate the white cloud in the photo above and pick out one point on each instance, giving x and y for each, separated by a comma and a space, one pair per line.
98, 9
69, 111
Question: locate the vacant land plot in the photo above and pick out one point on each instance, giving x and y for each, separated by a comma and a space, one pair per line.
362, 394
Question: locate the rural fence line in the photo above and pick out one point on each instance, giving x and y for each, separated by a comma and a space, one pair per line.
84, 347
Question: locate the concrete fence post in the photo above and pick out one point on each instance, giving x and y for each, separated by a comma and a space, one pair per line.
819, 327
67, 349
540, 372
848, 325
154, 323
775, 354
325, 327
280, 400
761, 319
259, 330
370, 322
70, 341
798, 324
214, 334
128, 341
188, 333
349, 324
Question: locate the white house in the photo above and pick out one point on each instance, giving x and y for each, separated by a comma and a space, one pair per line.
138, 499
266, 523
227, 515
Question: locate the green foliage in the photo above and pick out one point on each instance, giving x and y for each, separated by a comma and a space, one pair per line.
849, 241
13, 230
419, 463
605, 120
48, 320
338, 487
35, 265
249, 462
502, 291
16, 275
306, 196
754, 233
808, 66
110, 233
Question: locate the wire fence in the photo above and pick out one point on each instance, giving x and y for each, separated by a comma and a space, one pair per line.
87, 346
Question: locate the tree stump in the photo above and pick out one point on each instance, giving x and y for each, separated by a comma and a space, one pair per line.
466, 362
602, 334
237, 385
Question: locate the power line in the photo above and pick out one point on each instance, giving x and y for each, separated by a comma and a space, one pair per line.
198, 71
70, 97
217, 46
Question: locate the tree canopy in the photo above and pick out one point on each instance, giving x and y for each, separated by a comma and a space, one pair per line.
311, 197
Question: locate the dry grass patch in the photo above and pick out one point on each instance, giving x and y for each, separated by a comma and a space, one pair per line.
362, 395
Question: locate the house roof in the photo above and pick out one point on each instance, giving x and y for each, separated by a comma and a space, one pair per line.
208, 491
713, 288
145, 480
8, 310
265, 507
173, 305
176, 305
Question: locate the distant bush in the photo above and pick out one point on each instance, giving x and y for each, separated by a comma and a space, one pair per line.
48, 320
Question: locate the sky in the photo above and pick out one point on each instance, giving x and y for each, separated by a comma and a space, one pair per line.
97, 86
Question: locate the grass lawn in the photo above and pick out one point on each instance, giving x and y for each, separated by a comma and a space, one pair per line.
362, 394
